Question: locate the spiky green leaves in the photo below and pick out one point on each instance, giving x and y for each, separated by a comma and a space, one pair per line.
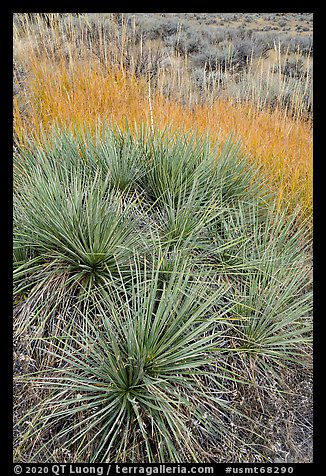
131, 381
76, 227
153, 271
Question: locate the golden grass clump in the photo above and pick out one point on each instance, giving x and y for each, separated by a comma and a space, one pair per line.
77, 93
74, 76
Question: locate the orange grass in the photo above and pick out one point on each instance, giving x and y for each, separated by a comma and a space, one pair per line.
77, 93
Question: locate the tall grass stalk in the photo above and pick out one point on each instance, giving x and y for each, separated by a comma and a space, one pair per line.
68, 85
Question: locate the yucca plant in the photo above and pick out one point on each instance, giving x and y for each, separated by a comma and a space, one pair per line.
153, 276
272, 318
143, 382
184, 220
57, 152
237, 178
77, 227
119, 155
255, 237
269, 266
176, 163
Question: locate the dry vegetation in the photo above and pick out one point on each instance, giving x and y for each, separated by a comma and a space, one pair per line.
84, 68
164, 77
